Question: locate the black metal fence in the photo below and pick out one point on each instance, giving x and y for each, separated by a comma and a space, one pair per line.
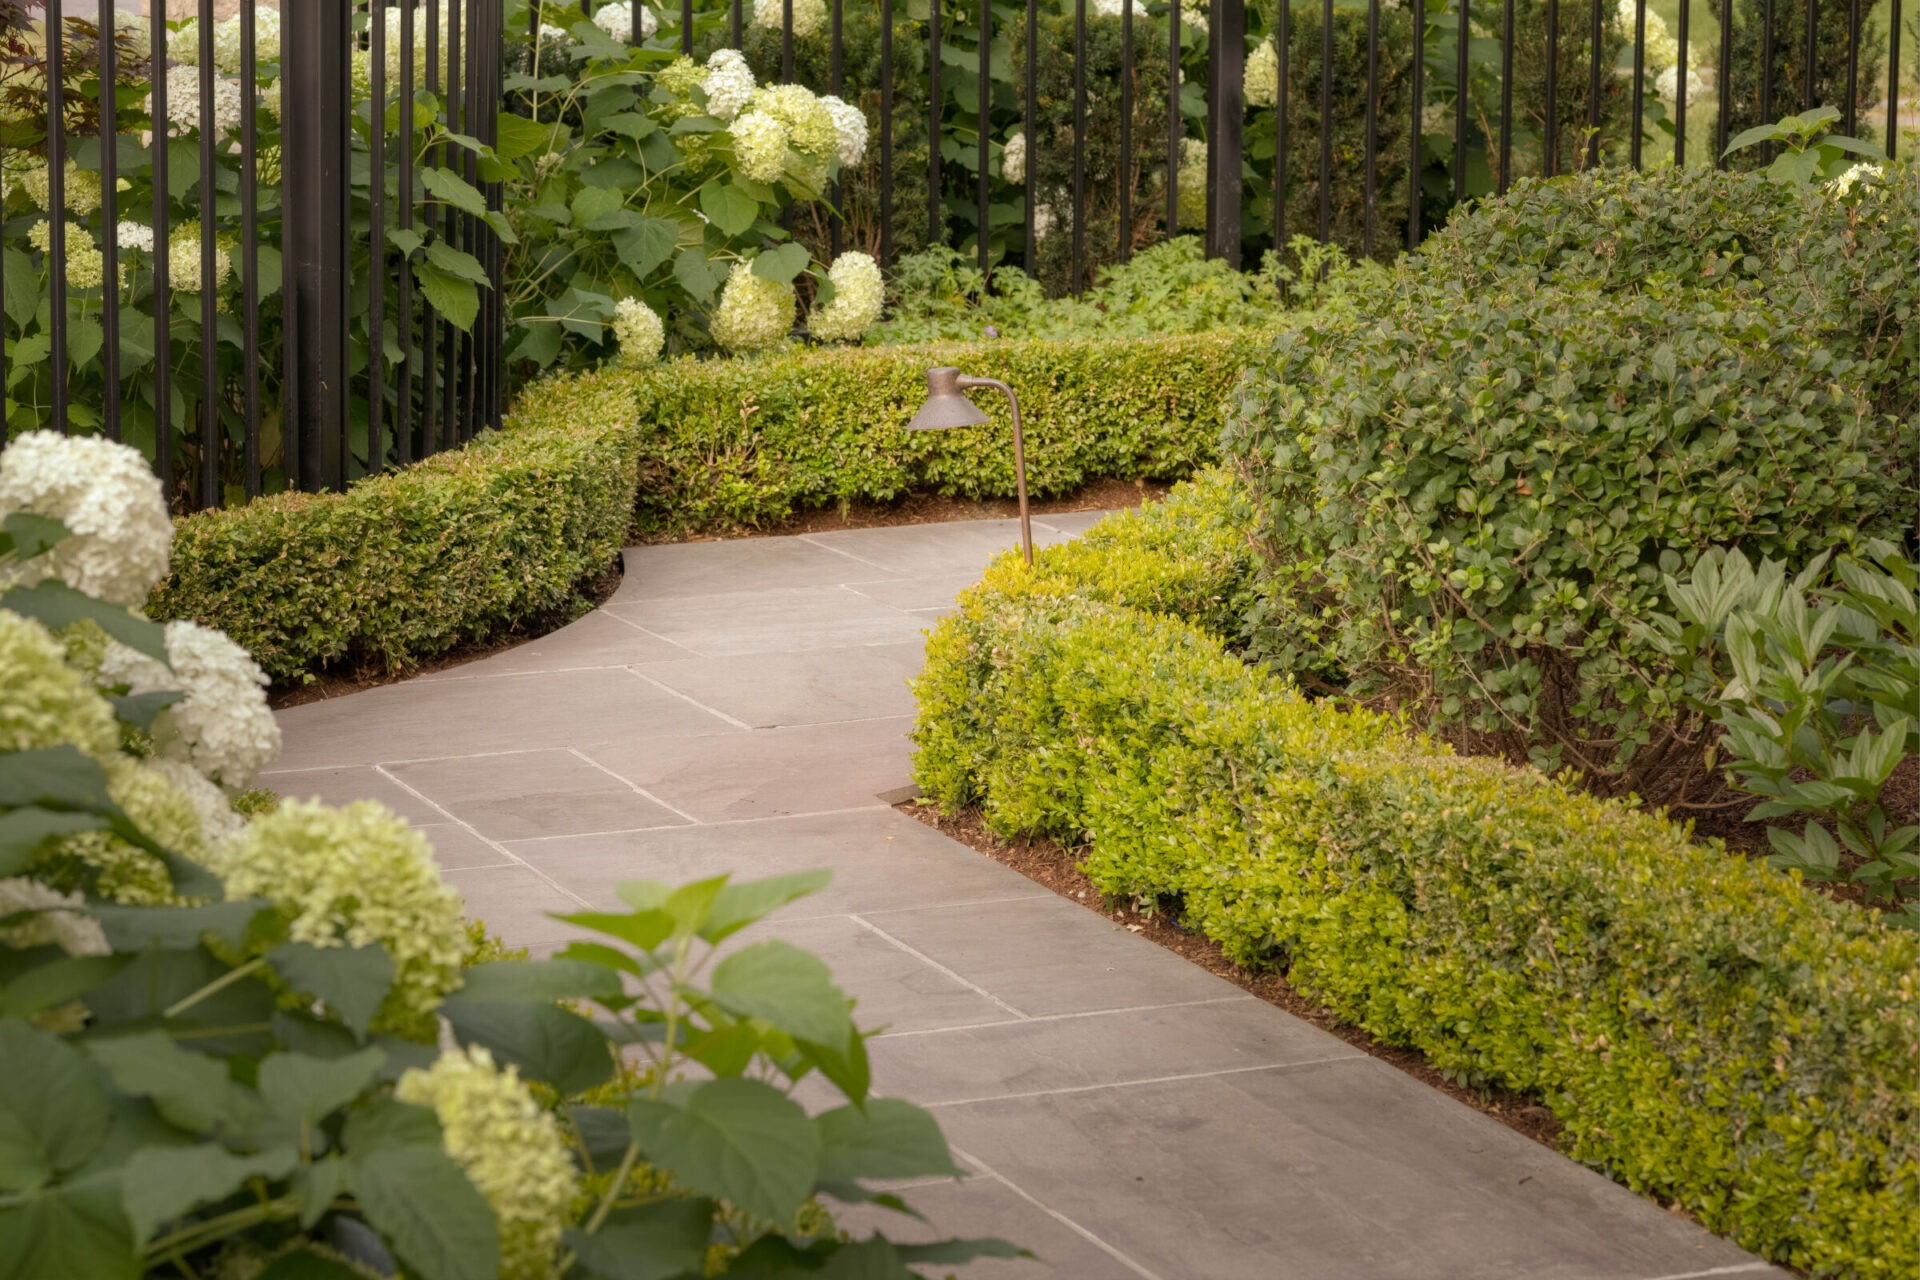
248, 315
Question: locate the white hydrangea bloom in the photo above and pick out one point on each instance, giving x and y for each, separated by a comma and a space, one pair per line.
1667, 85
850, 129
218, 821
1260, 81
48, 701
754, 313
859, 293
80, 190
1193, 183
728, 83
759, 146
107, 495
1042, 221
393, 48
638, 331
1193, 15
183, 102
1860, 175
136, 29
1662, 49
183, 44
86, 266
617, 21
68, 929
222, 727
183, 259
1013, 159
1115, 8
808, 15
137, 236
266, 40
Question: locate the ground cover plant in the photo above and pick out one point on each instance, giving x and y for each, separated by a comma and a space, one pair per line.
1707, 1032
264, 1043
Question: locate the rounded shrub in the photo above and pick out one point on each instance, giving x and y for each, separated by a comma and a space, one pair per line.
1468, 504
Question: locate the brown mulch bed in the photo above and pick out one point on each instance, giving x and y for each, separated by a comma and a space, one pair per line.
1047, 863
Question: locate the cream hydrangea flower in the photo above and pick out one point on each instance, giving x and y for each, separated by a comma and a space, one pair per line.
850, 130
218, 821
1260, 80
1662, 49
222, 727
859, 293
80, 190
56, 922
810, 124
86, 265
759, 146
266, 40
107, 496
638, 331
394, 49
1115, 8
755, 313
183, 259
681, 77
1860, 175
509, 1147
135, 236
126, 873
183, 102
136, 30
1013, 159
617, 20
1667, 85
728, 83
1193, 15
1193, 183
355, 876
183, 44
808, 15
48, 702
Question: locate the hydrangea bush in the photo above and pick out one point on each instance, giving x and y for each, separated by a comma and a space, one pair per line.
267, 1045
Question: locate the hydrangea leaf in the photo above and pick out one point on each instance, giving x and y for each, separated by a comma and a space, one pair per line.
743, 902
189, 1089
75, 1230
54, 604
352, 980
456, 300
790, 988
783, 263
306, 1089
417, 1198
48, 985
538, 981
658, 1241
887, 1138
734, 1139
27, 535
728, 207
23, 831
160, 1184
54, 1112
141, 709
546, 1042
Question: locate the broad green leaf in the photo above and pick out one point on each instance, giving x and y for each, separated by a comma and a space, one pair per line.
783, 263
445, 184
646, 244
29, 535
728, 208
84, 340
22, 289
537, 981
644, 929
23, 831
659, 1241
74, 1231
456, 262
688, 905
593, 204
546, 1042
696, 275
629, 124
57, 983
540, 342
436, 1221
189, 1089
305, 1090
790, 988
727, 1051
846, 1067
316, 1185
61, 777
955, 1252
518, 136
736, 1140
141, 709
742, 903
405, 239
456, 300
55, 604
130, 928
303, 1264
162, 1183
886, 1139
875, 1258
54, 1112
352, 980
383, 1123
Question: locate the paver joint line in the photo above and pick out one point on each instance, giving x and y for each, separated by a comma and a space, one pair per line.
635, 787
1057, 1216
718, 822
1061, 1017
692, 702
495, 845
929, 961
1743, 1269
1135, 1084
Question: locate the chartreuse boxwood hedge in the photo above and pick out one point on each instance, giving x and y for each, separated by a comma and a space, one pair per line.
1709, 1032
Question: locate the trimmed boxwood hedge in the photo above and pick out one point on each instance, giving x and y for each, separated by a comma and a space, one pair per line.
405, 565
746, 442
1708, 1031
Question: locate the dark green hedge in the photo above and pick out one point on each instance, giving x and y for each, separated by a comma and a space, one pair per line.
746, 442
402, 566
1709, 1032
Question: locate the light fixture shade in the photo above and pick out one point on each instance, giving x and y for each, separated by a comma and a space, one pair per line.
946, 406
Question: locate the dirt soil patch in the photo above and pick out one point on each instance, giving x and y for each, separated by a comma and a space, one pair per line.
1047, 863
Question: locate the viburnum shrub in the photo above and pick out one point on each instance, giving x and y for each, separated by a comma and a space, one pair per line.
264, 1043
1465, 502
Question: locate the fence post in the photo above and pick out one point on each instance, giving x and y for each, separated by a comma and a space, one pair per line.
1226, 127
316, 93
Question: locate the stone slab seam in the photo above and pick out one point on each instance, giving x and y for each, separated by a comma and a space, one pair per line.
495, 845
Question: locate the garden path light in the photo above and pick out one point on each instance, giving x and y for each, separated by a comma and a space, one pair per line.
947, 406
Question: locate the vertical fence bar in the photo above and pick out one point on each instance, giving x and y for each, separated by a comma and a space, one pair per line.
109, 220
1893, 84
1079, 143
57, 209
162, 279
250, 244
1596, 34
1551, 134
430, 218
1028, 118
1766, 67
1326, 120
1228, 105
1680, 88
836, 70
318, 232
459, 391
403, 199
1849, 112
210, 431
686, 26
1809, 88
933, 122
1459, 108
376, 235
1371, 146
886, 132
1506, 96
986, 106
736, 25
1125, 247
1723, 77
1282, 98
1639, 77
1414, 121
1173, 114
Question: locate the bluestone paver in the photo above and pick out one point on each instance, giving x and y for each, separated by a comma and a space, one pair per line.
741, 706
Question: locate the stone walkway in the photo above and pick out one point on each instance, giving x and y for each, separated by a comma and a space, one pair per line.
741, 706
